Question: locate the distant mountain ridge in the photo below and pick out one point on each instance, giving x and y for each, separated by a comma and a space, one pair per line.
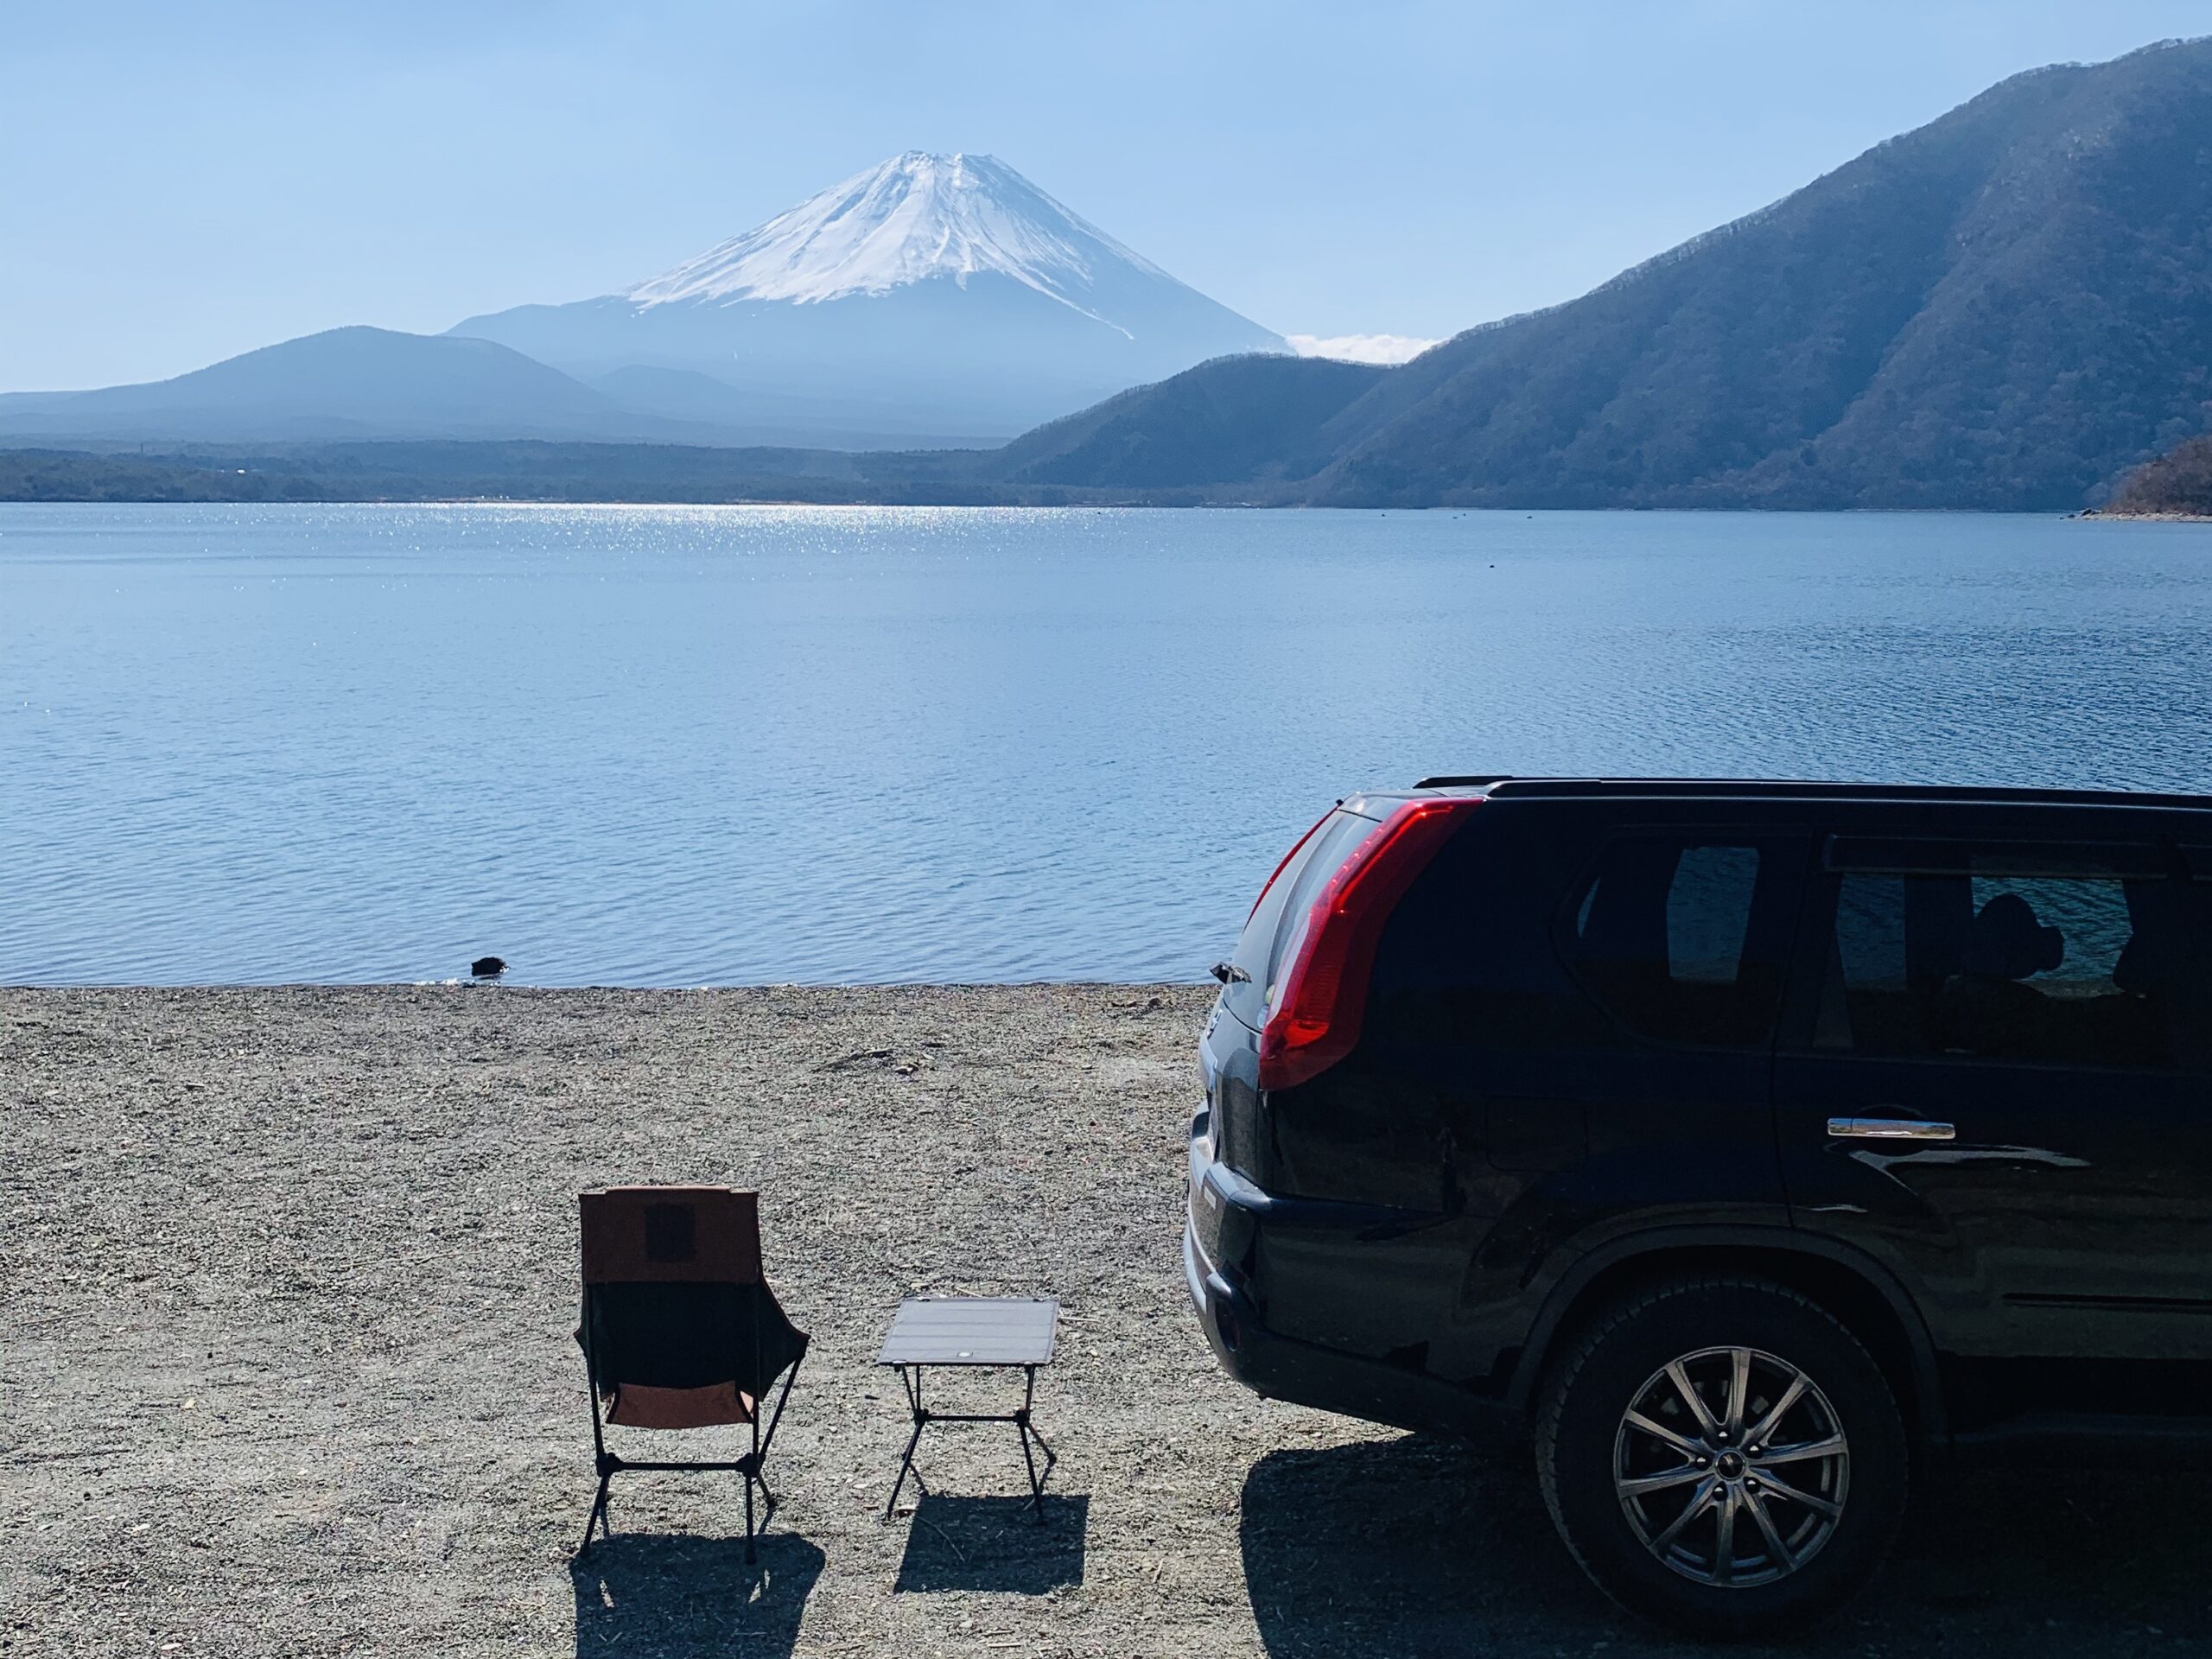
2006, 308
930, 295
933, 300
345, 382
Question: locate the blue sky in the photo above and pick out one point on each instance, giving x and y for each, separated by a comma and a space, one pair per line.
179, 183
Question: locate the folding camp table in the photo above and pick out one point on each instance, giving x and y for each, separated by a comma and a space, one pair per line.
966, 1333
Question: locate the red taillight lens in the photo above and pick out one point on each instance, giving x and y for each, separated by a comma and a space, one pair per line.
1322, 997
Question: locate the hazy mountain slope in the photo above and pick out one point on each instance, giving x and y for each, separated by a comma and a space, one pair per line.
941, 295
2006, 308
775, 414
346, 380
1243, 418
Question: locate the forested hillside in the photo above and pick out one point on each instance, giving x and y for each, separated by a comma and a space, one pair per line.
2006, 308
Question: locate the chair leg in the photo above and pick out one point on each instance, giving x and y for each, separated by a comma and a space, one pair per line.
598, 1516
604, 1463
752, 1473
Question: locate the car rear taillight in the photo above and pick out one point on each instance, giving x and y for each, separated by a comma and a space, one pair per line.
1321, 999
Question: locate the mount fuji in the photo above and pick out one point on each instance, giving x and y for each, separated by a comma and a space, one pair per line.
931, 299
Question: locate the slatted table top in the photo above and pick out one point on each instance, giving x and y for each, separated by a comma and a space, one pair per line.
972, 1331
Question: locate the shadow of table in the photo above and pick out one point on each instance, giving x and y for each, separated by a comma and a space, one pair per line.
996, 1544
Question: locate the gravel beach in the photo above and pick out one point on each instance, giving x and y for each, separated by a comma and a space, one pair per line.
290, 1283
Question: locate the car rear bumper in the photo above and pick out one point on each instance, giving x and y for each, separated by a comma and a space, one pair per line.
1288, 1368
1232, 1330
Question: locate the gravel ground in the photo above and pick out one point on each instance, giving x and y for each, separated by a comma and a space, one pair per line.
290, 1282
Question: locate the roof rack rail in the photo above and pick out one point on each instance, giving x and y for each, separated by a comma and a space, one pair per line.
1455, 780
1509, 787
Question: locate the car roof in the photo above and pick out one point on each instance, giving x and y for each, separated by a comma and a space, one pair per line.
1502, 787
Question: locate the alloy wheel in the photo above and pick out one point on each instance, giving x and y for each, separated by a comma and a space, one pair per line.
1732, 1466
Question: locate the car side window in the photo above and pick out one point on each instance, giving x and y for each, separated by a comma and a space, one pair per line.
2005, 955
1666, 936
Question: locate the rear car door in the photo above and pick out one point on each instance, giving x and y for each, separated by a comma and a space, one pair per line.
1680, 933
1993, 1079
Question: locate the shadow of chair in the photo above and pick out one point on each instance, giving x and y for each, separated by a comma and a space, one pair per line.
675, 1595
994, 1544
1420, 1547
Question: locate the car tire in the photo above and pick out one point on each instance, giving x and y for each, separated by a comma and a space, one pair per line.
1672, 1375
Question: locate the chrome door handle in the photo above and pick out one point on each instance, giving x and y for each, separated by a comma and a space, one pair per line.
1889, 1129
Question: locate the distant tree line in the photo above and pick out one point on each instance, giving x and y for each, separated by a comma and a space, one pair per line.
70, 475
442, 470
2179, 481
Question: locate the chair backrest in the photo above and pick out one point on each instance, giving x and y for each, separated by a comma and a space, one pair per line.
674, 1296
671, 1235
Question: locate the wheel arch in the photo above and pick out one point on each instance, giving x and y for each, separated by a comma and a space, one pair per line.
1849, 1285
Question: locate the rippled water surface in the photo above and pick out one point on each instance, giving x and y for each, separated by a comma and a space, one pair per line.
729, 745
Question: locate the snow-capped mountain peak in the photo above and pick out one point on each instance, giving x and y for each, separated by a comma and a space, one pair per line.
913, 218
937, 298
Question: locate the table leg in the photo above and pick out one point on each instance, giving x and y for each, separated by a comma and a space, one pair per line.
1026, 1430
912, 1384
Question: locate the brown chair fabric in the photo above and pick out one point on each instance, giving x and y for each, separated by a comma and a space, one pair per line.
679, 1328
671, 1235
674, 1300
632, 1404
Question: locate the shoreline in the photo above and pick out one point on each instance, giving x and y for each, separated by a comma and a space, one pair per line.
1030, 505
545, 473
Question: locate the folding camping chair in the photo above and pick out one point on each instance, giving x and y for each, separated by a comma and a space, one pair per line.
679, 1328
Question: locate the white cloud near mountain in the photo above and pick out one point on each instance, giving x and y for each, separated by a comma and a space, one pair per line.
1361, 348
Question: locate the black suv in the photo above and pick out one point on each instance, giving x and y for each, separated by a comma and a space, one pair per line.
1750, 1141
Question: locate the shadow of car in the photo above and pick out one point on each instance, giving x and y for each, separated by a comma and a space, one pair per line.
1419, 1545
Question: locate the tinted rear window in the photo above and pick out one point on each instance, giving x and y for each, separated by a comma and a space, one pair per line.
1681, 938
1467, 958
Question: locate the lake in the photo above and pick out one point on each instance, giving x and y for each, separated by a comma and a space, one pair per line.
712, 746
